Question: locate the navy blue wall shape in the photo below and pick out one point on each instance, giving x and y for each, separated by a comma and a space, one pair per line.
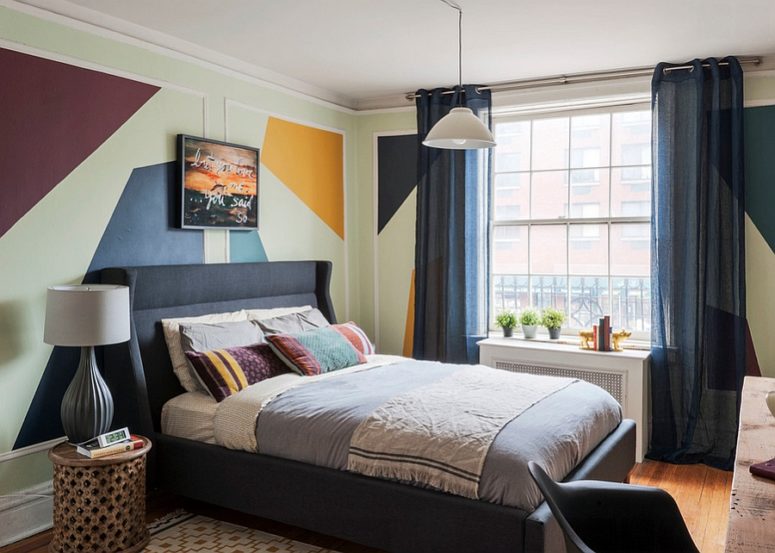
396, 174
141, 231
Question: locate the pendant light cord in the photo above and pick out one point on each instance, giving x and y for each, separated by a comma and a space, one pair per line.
454, 6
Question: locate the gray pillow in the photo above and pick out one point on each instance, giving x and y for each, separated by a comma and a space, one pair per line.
209, 336
294, 322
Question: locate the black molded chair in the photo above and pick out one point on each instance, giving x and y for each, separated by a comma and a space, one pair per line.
601, 517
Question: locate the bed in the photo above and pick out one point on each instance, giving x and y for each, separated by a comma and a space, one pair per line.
378, 513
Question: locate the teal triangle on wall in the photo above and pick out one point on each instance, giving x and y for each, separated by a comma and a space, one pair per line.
246, 247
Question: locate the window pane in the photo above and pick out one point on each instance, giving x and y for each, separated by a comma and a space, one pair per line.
631, 304
589, 193
550, 291
509, 292
588, 300
550, 143
630, 249
513, 150
548, 249
509, 255
631, 138
549, 195
590, 135
588, 249
631, 192
512, 196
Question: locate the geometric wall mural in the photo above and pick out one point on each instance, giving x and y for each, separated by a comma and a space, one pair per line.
54, 115
760, 170
396, 220
396, 174
310, 162
141, 231
246, 247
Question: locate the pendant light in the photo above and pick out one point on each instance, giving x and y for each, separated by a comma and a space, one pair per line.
460, 129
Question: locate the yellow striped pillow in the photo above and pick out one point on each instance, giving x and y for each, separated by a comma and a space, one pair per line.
224, 372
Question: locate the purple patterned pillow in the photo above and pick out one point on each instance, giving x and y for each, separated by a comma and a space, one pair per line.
224, 372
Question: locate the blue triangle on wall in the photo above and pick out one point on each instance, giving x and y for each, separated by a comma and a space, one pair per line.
141, 231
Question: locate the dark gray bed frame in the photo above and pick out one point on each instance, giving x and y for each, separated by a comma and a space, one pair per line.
387, 515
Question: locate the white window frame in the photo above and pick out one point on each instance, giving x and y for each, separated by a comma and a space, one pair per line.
609, 220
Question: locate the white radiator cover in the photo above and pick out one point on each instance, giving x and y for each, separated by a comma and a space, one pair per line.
624, 375
611, 382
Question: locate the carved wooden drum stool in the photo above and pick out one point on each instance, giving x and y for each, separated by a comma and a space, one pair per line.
99, 504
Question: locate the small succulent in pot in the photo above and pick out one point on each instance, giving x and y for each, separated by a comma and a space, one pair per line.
552, 319
529, 320
507, 320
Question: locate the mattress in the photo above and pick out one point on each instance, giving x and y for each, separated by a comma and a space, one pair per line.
190, 415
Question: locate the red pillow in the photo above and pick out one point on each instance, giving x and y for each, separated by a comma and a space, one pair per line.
356, 336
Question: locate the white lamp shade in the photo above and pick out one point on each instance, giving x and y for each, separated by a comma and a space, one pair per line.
460, 129
87, 315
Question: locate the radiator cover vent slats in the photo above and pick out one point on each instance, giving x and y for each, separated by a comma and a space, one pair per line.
613, 383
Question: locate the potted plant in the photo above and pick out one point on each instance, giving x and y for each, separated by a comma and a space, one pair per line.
529, 320
552, 319
507, 320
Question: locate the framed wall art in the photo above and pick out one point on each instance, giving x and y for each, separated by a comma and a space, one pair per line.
219, 184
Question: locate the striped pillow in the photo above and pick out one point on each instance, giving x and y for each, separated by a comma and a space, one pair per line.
224, 372
316, 351
356, 336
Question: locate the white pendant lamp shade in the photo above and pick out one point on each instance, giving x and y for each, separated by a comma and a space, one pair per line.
460, 129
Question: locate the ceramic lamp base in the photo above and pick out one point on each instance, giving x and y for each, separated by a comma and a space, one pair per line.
87, 406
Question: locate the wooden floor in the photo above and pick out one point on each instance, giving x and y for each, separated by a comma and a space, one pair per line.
702, 493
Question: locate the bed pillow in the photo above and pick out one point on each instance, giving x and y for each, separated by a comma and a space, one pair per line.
316, 351
356, 336
210, 336
171, 329
293, 323
226, 371
260, 314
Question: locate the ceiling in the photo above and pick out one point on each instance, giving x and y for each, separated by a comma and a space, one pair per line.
352, 52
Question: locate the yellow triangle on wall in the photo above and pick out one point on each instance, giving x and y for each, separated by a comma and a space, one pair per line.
409, 329
310, 162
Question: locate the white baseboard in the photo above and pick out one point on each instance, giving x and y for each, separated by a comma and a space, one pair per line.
26, 513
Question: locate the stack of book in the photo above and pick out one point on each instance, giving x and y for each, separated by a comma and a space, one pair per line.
111, 443
602, 334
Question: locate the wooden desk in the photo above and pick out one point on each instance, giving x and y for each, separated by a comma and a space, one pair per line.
751, 527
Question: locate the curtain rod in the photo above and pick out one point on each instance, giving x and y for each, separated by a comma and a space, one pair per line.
589, 77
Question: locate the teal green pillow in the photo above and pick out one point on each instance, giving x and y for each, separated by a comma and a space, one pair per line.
316, 351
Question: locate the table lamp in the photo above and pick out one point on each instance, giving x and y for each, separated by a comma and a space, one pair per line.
85, 316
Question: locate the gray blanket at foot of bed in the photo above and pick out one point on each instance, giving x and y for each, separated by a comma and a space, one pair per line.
314, 423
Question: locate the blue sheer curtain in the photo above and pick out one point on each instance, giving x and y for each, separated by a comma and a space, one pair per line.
698, 262
451, 252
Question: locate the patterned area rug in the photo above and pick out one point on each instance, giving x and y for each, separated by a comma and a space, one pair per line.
181, 532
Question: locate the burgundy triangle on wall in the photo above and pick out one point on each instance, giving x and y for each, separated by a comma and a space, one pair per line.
52, 117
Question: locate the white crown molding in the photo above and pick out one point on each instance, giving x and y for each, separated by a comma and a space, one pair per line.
91, 21
391, 102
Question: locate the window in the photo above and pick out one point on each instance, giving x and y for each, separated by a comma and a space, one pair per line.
571, 216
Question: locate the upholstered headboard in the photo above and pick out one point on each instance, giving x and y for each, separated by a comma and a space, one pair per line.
139, 372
